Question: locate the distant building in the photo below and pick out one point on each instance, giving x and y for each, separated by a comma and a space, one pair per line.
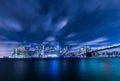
37, 51
25, 52
42, 49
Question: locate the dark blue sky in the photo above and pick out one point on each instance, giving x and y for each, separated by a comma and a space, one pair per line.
70, 22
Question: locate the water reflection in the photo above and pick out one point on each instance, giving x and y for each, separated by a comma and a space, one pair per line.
103, 69
48, 69
53, 67
98, 69
48, 66
19, 69
40, 66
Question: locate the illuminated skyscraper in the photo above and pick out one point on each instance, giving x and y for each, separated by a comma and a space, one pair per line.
42, 50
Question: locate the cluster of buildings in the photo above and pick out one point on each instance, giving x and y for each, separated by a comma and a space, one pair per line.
107, 54
29, 51
45, 51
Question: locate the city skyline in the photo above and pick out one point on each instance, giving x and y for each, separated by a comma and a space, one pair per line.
70, 22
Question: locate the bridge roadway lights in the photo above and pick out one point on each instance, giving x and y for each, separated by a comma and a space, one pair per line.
89, 54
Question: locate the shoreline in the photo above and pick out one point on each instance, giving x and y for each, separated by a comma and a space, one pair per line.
65, 58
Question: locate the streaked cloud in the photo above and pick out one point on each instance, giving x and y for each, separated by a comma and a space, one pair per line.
50, 38
61, 24
97, 41
9, 24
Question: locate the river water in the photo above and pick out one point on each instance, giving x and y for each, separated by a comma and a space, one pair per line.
89, 69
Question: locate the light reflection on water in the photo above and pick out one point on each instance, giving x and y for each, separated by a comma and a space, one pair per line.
54, 67
102, 69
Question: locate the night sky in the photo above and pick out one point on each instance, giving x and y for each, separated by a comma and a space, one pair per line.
73, 23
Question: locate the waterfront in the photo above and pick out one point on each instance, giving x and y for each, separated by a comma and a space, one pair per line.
88, 69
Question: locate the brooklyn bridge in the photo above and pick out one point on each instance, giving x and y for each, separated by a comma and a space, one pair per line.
89, 53
98, 51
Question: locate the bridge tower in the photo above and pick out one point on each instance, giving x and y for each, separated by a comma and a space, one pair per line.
88, 54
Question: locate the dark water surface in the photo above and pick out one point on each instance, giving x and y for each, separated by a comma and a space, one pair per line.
91, 69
